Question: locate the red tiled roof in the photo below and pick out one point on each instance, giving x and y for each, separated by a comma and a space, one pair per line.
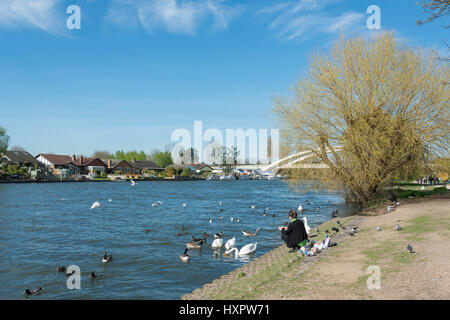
56, 159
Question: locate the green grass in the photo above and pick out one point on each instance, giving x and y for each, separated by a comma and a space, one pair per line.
416, 192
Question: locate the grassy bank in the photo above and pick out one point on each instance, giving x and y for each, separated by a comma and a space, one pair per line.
340, 272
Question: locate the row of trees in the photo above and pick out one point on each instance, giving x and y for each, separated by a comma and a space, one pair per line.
161, 158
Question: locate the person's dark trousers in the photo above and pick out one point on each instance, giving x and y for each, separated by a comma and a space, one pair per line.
284, 238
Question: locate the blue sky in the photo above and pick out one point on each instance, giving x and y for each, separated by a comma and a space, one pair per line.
137, 70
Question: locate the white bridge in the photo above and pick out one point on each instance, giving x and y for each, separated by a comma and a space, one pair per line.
291, 162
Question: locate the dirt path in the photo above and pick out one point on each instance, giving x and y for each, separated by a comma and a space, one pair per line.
341, 272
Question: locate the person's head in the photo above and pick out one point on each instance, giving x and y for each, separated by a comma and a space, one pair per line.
292, 215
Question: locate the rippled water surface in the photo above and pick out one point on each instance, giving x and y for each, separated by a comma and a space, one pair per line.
45, 225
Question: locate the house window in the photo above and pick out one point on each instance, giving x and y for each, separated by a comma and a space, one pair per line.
127, 170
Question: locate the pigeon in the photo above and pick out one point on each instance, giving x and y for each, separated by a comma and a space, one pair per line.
379, 229
398, 228
410, 249
389, 209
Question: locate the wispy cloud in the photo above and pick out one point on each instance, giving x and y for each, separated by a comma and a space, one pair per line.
175, 16
31, 13
305, 19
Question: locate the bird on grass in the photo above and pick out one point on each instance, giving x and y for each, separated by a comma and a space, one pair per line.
335, 214
379, 229
398, 227
410, 249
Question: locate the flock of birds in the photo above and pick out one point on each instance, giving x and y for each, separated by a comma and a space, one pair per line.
230, 245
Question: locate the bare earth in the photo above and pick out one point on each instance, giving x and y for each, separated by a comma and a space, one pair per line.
340, 272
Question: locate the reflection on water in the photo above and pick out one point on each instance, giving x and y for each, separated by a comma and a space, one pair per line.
45, 225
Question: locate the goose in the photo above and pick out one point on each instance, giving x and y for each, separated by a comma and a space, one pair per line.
217, 243
205, 236
230, 243
247, 249
61, 269
185, 257
33, 292
249, 233
218, 235
194, 245
106, 258
94, 275
307, 228
96, 204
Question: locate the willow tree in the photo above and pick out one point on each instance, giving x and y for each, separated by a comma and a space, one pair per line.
367, 109
4, 140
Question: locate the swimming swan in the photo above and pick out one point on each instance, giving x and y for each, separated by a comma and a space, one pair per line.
217, 243
230, 243
247, 249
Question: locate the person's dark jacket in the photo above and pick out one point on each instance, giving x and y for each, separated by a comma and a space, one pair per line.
294, 234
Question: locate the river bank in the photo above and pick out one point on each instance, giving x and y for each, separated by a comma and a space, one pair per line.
340, 272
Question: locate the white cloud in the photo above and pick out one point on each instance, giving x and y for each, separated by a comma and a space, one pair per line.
306, 18
175, 16
31, 13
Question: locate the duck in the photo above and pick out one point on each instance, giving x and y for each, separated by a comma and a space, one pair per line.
106, 258
185, 257
217, 243
61, 269
245, 250
230, 243
94, 275
248, 233
238, 220
318, 208
96, 204
205, 236
307, 228
32, 292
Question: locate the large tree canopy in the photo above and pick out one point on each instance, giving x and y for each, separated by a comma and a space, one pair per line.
4, 140
385, 104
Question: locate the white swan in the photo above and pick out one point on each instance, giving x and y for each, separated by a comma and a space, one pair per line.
220, 203
96, 204
157, 203
133, 183
252, 207
184, 204
247, 249
230, 243
217, 243
307, 228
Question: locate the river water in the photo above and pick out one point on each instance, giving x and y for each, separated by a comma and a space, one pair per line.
49, 224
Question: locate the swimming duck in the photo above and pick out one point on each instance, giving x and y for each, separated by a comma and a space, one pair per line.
94, 275
185, 257
248, 233
318, 208
61, 269
106, 258
238, 220
32, 292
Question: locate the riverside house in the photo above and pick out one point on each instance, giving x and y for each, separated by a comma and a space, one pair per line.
122, 167
89, 165
145, 166
20, 158
57, 163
